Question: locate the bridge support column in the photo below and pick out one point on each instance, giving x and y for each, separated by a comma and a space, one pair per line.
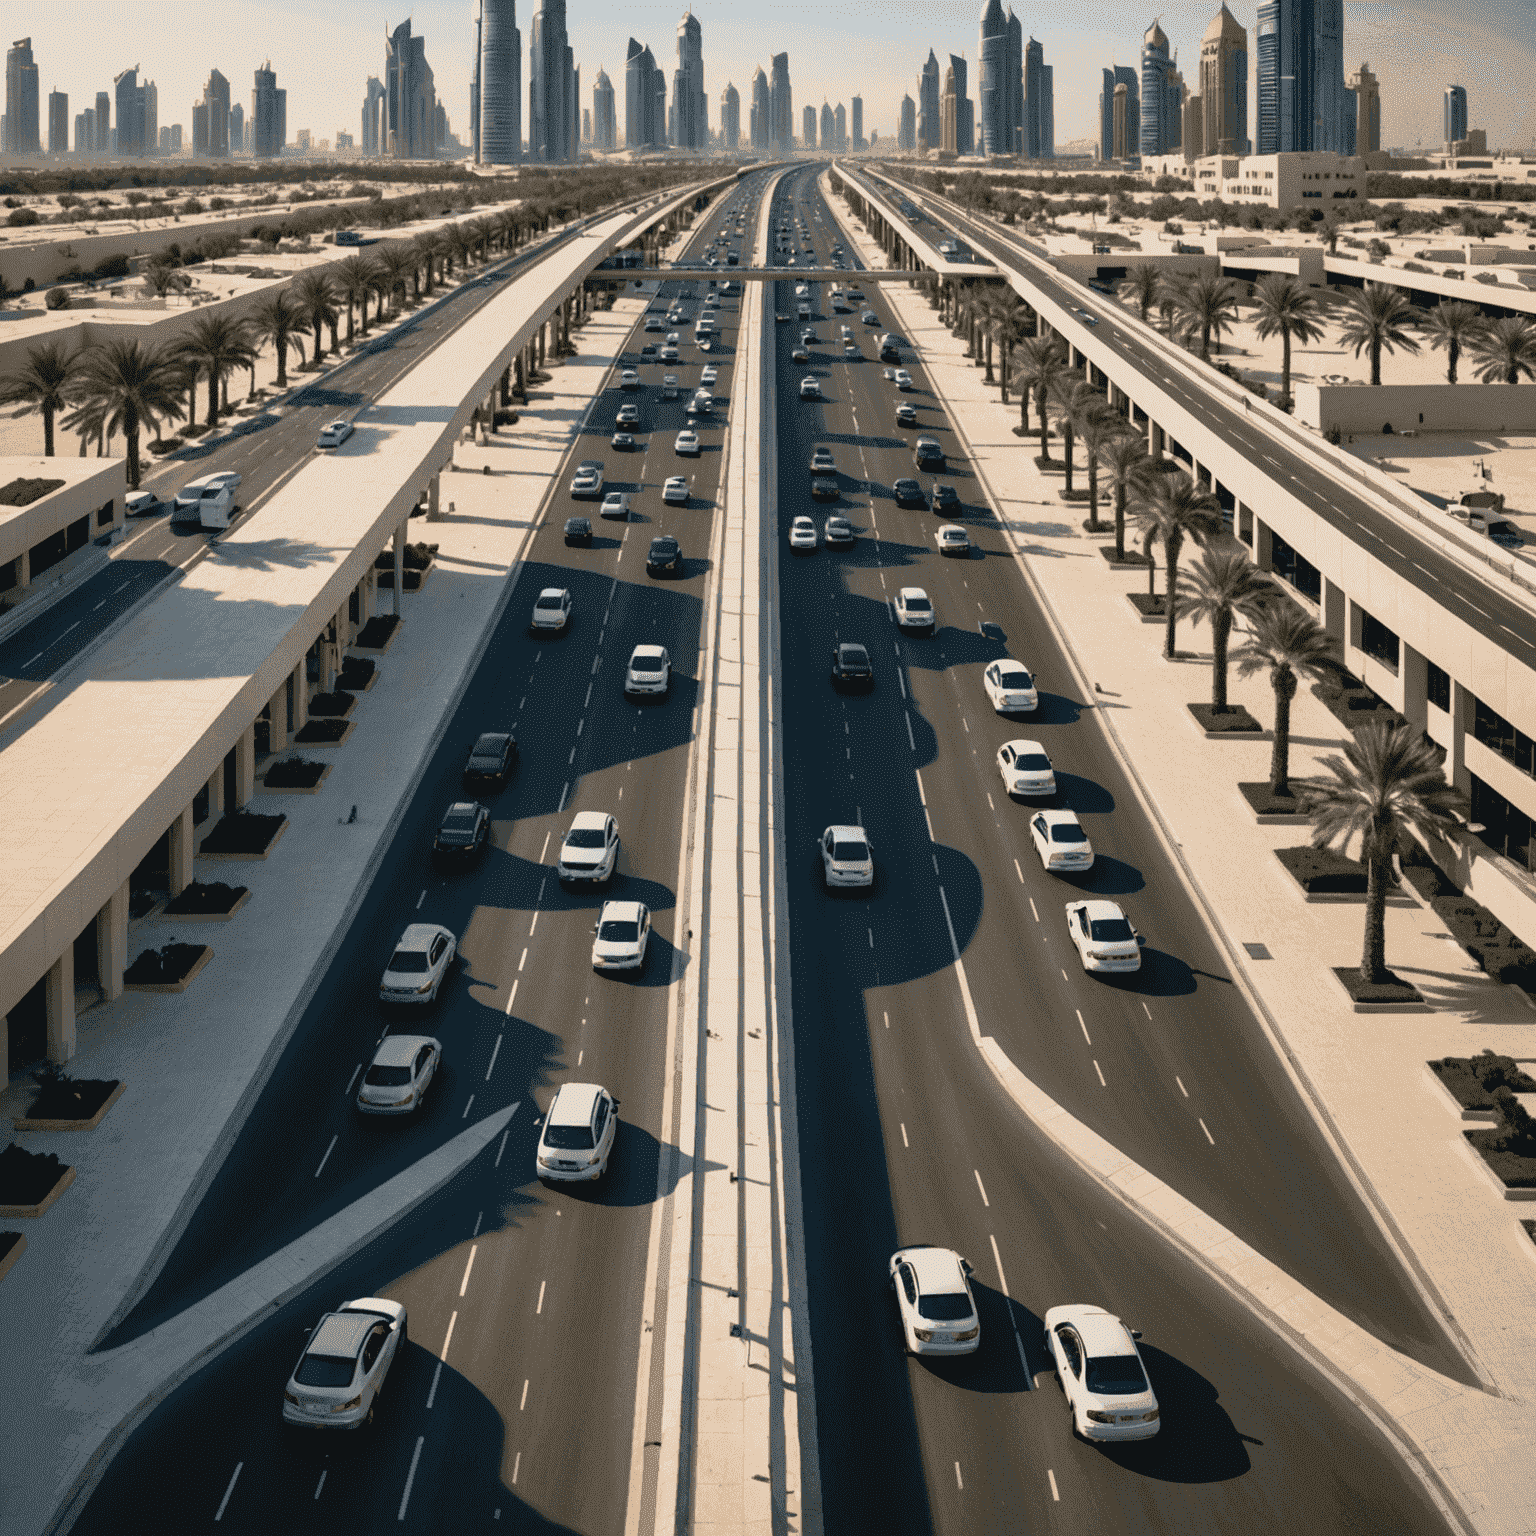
59, 998
277, 719
112, 944
245, 767
183, 846
399, 566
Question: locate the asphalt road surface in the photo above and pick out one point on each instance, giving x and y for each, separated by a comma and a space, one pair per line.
903, 1132
528, 1298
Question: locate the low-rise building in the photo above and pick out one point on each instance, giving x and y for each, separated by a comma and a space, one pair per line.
50, 510
1283, 182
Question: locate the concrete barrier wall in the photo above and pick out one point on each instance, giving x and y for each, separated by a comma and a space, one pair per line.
1086, 268
1415, 407
1512, 296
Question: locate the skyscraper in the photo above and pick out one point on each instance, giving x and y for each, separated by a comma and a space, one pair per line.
730, 116
1366, 93
760, 118
928, 109
236, 129
103, 123
85, 132
58, 123
828, 128
210, 119
808, 127
856, 106
690, 104
1300, 49
1039, 104
500, 73
644, 99
129, 100
410, 97
949, 117
371, 138
906, 127
1224, 86
840, 129
965, 108
605, 127
1014, 116
781, 105
21, 103
550, 86
1162, 96
1455, 115
1120, 75
269, 128
992, 80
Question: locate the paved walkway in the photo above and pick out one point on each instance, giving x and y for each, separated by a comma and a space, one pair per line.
158, 1146
1367, 1072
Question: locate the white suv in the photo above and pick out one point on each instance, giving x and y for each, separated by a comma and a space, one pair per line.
591, 848
650, 671
578, 1135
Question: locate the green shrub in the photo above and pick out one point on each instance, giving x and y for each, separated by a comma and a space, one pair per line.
20, 216
56, 298
113, 266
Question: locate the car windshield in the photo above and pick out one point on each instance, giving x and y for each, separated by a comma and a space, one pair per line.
459, 821
409, 962
615, 931
917, 604
387, 1077
552, 601
568, 1138
855, 656
663, 546
585, 837
1033, 762
1116, 1375
1111, 930
1015, 677
850, 851
1065, 833
944, 1306
325, 1371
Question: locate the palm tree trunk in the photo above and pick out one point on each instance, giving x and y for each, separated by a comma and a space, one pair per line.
1453, 356
988, 379
131, 432
1067, 443
1093, 494
1373, 955
319, 348
48, 431
282, 361
1045, 424
1221, 632
1170, 597
1285, 364
1119, 523
1280, 753
213, 397
1376, 363
1146, 551
350, 332
252, 393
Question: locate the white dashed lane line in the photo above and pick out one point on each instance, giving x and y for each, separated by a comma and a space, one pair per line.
982, 1187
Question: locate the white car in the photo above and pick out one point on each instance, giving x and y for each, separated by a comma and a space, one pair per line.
802, 534
902, 379
397, 1077
810, 389
1104, 937
669, 354
687, 442
709, 375
706, 343
615, 504
551, 610
933, 1296
578, 1135
587, 482
649, 672
335, 434
421, 960
1101, 1374
673, 337
1010, 687
141, 503
1026, 769
336, 1382
590, 851
188, 506
629, 379
850, 349
619, 936
1060, 841
847, 857
913, 610
952, 539
675, 491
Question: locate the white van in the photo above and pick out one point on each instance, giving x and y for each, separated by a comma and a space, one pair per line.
209, 501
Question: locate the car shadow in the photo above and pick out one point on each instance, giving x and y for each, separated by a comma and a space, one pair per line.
1085, 796
996, 1366
1110, 877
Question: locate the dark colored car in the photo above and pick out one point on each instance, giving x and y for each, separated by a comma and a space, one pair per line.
648, 350
839, 533
490, 760
578, 530
463, 833
929, 454
890, 355
945, 497
907, 492
824, 488
851, 667
665, 557
906, 414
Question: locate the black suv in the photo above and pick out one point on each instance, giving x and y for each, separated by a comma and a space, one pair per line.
463, 833
665, 557
578, 530
490, 760
851, 667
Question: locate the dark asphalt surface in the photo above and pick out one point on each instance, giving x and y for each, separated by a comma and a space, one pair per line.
530, 1421
926, 1147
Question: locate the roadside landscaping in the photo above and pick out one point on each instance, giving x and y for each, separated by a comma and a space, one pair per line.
170, 968
376, 634
417, 561
243, 835
296, 773
1474, 1080
215, 900
64, 1103
1502, 954
31, 1181
358, 673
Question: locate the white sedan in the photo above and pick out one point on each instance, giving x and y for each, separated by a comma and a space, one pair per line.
551, 610
933, 1296
335, 433
1026, 769
709, 375
336, 1383
952, 539
620, 935
802, 534
590, 850
913, 610
810, 389
588, 479
847, 857
675, 491
629, 379
1010, 687
616, 505
649, 671
1104, 937
421, 960
902, 379
687, 442
1101, 1374
397, 1078
1060, 841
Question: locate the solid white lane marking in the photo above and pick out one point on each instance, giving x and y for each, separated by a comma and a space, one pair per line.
524, 1402
911, 739
1146, 1010
479, 1217
534, 924
1064, 975
517, 1462
904, 1140
465, 1115
1054, 1494
563, 793
886, 1017
958, 1479
997, 1259
538, 1310
521, 963
442, 1354
474, 1248
494, 1050
545, 848
224, 1502
1032, 906
1208, 1135
1100, 1070
512, 999
871, 938
324, 1160
982, 1187
1019, 872
1084, 1026
421, 898
1182, 1089
1029, 1380
922, 798
410, 1477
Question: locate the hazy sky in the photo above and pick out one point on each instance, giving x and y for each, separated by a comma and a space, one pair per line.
324, 50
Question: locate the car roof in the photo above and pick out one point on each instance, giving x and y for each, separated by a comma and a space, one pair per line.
1003, 662
951, 529
852, 645
400, 1050
802, 518
588, 820
552, 592
462, 808
620, 910
908, 593
419, 935
676, 479
1024, 744
1060, 818
649, 653
1102, 1332
573, 1104
841, 829
341, 1334
1099, 909
491, 741
937, 1269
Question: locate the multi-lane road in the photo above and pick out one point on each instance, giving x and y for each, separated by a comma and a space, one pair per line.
908, 1135
529, 1300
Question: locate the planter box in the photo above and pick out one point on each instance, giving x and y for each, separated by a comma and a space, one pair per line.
1236, 725
314, 789
1490, 1177
246, 858
1133, 559
1385, 1001
377, 635
1460, 1110
1267, 809
1345, 875
65, 1180
175, 986
27, 1123
1149, 608
355, 686
415, 579
12, 1246
312, 738
212, 917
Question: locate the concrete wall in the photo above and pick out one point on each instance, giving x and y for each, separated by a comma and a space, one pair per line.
1415, 407
1086, 268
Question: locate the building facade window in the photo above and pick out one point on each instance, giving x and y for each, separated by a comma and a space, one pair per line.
1296, 569
1377, 641
1506, 828
1494, 731
1437, 686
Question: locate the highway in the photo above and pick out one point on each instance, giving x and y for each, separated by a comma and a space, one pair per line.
514, 1406
1480, 604
906, 1136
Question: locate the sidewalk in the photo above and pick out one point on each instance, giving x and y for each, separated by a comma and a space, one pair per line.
1406, 1140
159, 1145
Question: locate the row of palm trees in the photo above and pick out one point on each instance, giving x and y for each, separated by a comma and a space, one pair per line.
125, 386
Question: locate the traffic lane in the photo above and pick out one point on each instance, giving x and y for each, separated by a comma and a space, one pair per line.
1204, 1034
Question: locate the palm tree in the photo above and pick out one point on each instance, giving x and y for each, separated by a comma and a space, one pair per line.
1505, 349
1290, 310
1072, 397
1377, 316
1130, 474
1015, 321
1170, 290
1041, 360
1290, 645
315, 295
1098, 426
1450, 326
395, 267
45, 382
278, 319
429, 251
1173, 509
354, 282
122, 386
1222, 585
1141, 287
1207, 304
1388, 785
218, 344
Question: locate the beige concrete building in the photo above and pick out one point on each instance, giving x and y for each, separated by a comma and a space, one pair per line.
52, 513
1367, 91
1193, 145
1284, 182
